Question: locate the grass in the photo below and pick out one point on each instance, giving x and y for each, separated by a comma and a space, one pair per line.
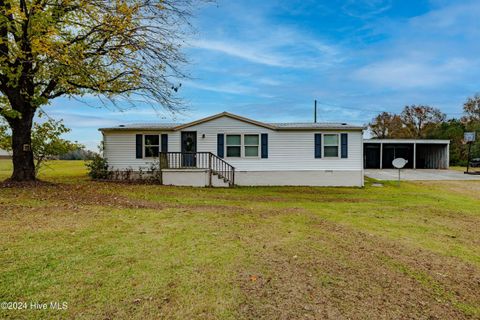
58, 171
122, 251
458, 168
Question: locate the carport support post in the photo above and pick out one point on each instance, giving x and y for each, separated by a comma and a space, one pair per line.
415, 155
447, 154
381, 155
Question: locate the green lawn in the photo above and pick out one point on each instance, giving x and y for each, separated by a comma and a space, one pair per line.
124, 251
60, 170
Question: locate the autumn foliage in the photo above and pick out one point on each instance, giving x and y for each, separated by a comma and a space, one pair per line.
426, 122
110, 49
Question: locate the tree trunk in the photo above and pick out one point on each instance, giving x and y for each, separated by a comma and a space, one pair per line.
23, 165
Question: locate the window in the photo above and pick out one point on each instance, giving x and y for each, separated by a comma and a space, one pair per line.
152, 145
234, 145
251, 144
242, 145
330, 145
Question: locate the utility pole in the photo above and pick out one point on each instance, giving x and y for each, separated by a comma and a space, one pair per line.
315, 112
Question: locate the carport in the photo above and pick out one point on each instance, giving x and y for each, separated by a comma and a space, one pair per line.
421, 154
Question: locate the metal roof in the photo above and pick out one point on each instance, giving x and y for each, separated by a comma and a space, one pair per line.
272, 126
143, 126
407, 141
312, 125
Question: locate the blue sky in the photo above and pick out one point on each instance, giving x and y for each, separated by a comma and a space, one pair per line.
270, 59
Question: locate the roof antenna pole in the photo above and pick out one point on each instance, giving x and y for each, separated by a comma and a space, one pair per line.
315, 113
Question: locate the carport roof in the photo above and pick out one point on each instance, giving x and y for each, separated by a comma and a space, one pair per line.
407, 141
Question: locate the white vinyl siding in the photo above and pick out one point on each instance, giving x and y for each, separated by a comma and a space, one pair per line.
287, 150
119, 148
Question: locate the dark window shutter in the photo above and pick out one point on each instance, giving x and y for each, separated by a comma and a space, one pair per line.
344, 143
139, 146
318, 145
264, 145
220, 144
164, 142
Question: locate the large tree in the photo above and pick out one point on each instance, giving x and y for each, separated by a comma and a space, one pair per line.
452, 130
471, 120
387, 125
419, 120
111, 49
47, 141
471, 108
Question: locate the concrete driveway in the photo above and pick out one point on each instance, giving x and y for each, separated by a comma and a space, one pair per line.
419, 174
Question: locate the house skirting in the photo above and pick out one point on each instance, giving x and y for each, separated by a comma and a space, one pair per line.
191, 178
322, 178
200, 178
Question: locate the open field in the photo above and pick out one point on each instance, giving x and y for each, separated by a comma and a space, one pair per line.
120, 251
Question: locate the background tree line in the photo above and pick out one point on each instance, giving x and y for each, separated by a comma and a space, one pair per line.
426, 122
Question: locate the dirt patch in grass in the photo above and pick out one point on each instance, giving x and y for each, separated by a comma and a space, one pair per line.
8, 183
94, 194
279, 197
339, 273
315, 190
71, 197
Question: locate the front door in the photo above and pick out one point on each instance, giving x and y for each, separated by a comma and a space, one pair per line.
189, 147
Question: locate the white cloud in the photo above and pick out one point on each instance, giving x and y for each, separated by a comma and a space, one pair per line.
269, 81
365, 9
230, 88
433, 51
83, 121
450, 19
285, 53
245, 52
147, 111
279, 46
405, 73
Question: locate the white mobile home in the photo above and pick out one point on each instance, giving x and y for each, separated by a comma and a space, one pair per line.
226, 149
